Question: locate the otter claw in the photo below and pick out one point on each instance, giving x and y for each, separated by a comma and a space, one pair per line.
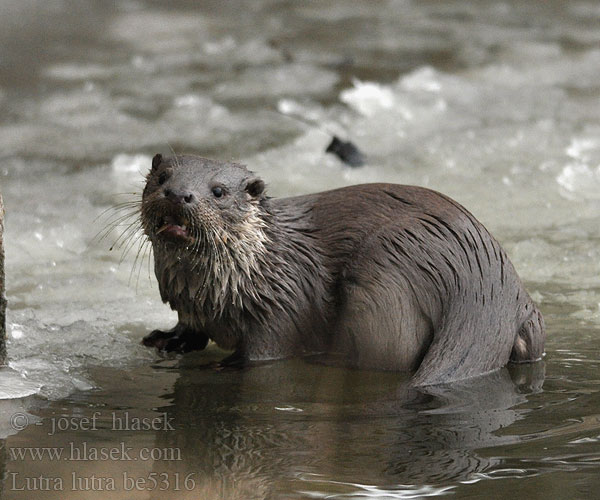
234, 360
158, 338
180, 339
182, 345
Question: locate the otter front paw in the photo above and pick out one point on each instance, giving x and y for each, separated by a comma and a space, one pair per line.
179, 339
158, 338
234, 360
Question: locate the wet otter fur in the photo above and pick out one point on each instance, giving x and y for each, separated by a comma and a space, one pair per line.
391, 277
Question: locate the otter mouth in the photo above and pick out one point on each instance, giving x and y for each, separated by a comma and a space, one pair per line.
175, 229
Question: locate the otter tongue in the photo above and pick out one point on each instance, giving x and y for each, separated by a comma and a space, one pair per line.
168, 225
174, 228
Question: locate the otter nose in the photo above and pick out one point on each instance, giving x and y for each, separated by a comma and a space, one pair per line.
179, 197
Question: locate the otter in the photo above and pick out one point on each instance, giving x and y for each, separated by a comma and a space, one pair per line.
388, 276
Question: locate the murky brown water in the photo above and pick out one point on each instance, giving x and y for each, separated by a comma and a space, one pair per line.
494, 103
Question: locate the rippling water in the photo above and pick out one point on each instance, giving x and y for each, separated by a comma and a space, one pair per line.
493, 103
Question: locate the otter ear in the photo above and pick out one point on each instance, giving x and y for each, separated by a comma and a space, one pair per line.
156, 161
254, 186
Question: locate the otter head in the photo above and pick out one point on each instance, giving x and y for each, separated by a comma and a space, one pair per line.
190, 202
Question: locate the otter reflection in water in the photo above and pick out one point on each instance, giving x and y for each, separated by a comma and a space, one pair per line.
284, 429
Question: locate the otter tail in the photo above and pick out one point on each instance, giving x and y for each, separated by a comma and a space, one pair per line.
466, 347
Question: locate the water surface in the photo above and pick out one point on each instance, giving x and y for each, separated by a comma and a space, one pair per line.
493, 103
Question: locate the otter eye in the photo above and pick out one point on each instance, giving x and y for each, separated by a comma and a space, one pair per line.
217, 191
162, 178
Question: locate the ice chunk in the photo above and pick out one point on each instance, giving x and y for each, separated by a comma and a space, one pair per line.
15, 386
581, 147
425, 79
71, 342
307, 112
368, 98
580, 180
